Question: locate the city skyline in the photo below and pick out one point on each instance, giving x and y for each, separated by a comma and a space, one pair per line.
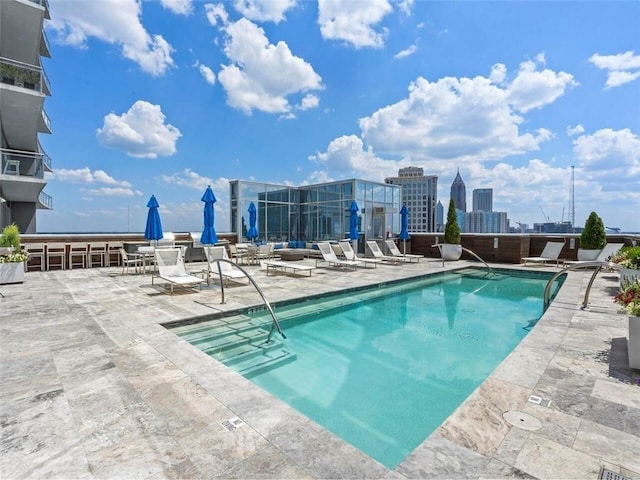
168, 97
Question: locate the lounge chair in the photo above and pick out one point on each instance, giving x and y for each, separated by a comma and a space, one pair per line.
349, 254
391, 245
606, 253
550, 253
171, 269
329, 256
228, 271
377, 253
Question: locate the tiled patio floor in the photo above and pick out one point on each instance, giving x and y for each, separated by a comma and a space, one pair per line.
94, 387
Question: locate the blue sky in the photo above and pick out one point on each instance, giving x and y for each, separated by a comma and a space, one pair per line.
166, 97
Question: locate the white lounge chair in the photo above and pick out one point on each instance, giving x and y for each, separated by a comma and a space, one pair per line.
171, 269
228, 271
377, 253
550, 253
329, 256
606, 253
391, 245
349, 254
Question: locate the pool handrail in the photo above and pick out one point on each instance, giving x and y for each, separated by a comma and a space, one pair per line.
439, 245
274, 324
599, 266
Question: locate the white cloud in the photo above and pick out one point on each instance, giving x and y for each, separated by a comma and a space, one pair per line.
115, 22
577, 130
308, 102
261, 75
616, 152
533, 88
405, 6
179, 7
207, 74
461, 119
264, 10
140, 132
353, 21
406, 52
85, 175
621, 68
111, 192
189, 178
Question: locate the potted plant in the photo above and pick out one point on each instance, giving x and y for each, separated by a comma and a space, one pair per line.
629, 259
592, 239
451, 248
629, 298
12, 258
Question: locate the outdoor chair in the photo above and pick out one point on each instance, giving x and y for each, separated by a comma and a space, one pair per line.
56, 251
377, 253
395, 251
171, 269
349, 254
97, 254
550, 253
36, 250
228, 271
329, 256
77, 255
113, 253
127, 260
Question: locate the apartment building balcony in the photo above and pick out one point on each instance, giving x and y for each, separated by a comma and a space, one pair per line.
22, 177
21, 32
21, 163
30, 77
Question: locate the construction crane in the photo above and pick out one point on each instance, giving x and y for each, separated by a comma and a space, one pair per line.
544, 215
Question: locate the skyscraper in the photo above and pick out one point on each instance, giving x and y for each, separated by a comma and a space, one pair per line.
459, 193
23, 89
419, 194
483, 200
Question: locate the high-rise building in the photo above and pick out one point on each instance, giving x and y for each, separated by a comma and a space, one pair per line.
439, 217
459, 193
485, 222
483, 200
23, 89
419, 194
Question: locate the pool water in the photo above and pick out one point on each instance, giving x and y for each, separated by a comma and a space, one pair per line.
383, 368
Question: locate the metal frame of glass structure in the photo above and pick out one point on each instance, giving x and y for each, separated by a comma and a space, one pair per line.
315, 212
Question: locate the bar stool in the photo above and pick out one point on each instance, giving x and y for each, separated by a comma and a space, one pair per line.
97, 253
35, 250
56, 250
77, 255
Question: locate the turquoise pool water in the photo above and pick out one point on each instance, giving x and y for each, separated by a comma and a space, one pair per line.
386, 368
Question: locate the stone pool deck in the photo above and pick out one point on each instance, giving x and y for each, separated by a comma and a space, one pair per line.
92, 386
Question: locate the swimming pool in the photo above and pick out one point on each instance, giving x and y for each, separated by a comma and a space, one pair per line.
383, 367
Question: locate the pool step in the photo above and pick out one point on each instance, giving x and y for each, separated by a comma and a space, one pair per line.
239, 343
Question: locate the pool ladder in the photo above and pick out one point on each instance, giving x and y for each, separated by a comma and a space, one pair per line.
275, 325
599, 266
439, 245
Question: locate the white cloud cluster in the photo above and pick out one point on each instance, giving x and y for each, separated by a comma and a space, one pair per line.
140, 132
353, 21
406, 52
615, 151
621, 68
261, 76
179, 7
85, 176
264, 10
112, 21
207, 74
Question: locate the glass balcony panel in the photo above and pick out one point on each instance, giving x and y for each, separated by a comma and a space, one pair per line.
46, 200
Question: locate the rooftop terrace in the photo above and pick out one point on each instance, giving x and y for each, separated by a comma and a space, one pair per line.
92, 386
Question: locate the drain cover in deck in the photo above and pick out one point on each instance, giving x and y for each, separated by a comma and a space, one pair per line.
522, 420
232, 424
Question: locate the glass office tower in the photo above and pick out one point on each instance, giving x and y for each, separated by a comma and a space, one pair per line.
315, 212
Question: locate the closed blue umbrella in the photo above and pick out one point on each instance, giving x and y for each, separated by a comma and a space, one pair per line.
404, 226
153, 230
353, 221
208, 236
252, 233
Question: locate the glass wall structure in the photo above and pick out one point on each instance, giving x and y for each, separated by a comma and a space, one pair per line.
315, 212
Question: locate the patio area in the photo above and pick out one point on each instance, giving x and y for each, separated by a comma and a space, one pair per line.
92, 386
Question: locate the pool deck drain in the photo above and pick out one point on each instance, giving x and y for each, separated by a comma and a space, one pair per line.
522, 420
92, 386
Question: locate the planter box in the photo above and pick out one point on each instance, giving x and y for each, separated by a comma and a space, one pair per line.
633, 342
450, 251
628, 275
12, 272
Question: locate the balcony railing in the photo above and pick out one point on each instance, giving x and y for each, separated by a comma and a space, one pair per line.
46, 200
23, 164
47, 45
23, 75
46, 120
46, 159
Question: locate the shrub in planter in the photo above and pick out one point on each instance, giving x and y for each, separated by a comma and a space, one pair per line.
11, 257
592, 239
451, 249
